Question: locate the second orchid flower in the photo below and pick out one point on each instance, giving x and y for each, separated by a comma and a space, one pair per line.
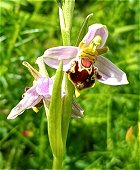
41, 89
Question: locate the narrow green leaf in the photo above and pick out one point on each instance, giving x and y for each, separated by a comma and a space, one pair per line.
67, 108
83, 30
55, 115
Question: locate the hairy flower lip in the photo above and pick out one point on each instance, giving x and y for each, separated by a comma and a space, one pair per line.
80, 76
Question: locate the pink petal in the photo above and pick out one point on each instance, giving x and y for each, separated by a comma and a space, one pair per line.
44, 86
30, 99
110, 73
94, 30
53, 55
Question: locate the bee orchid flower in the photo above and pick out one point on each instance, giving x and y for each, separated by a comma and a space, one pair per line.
85, 63
41, 89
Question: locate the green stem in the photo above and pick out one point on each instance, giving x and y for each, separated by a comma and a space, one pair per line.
64, 30
57, 162
65, 15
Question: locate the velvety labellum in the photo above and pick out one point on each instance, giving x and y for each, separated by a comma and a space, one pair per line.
82, 73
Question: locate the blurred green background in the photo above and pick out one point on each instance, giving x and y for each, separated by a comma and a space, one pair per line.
107, 137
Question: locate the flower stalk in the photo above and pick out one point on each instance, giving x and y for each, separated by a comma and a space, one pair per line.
65, 16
